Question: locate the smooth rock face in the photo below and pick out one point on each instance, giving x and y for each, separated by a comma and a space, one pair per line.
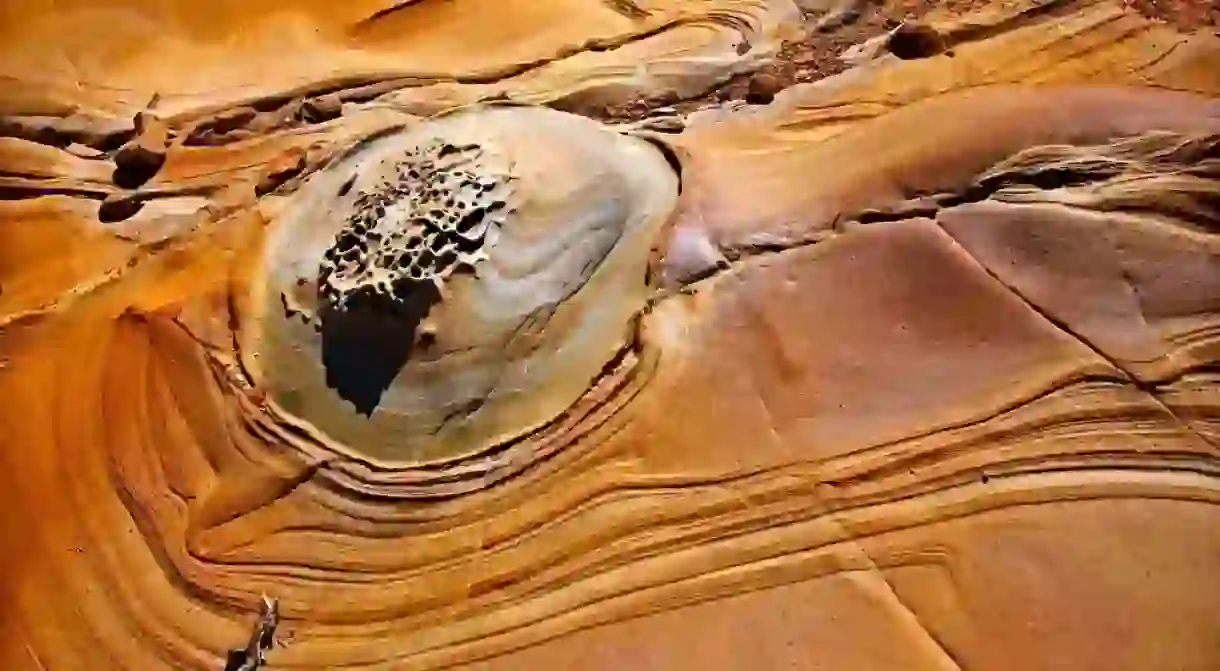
911, 368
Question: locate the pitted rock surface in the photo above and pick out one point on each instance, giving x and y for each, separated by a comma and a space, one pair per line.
430, 217
422, 284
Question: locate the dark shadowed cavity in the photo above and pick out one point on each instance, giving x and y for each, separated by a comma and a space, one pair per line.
366, 345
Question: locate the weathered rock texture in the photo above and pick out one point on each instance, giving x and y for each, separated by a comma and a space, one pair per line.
915, 367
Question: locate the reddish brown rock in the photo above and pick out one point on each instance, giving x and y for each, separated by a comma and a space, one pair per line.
762, 88
138, 160
118, 208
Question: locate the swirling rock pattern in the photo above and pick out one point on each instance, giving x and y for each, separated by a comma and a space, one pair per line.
914, 367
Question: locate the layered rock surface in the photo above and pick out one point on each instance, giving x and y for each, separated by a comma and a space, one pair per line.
912, 367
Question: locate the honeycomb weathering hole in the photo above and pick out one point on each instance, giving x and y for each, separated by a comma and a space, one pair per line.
458, 283
380, 278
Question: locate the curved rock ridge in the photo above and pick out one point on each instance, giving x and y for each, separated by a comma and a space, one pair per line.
912, 368
448, 288
1136, 74
195, 62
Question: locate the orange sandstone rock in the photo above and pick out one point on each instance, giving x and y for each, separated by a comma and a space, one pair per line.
385, 357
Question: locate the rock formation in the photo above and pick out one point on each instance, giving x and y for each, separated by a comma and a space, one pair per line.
472, 335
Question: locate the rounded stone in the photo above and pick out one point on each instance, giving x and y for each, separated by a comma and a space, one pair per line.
541, 274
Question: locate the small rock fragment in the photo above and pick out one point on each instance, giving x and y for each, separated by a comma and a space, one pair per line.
637, 108
233, 119
262, 639
117, 207
762, 88
140, 158
664, 124
322, 108
912, 40
690, 257
805, 58
235, 197
288, 167
83, 151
